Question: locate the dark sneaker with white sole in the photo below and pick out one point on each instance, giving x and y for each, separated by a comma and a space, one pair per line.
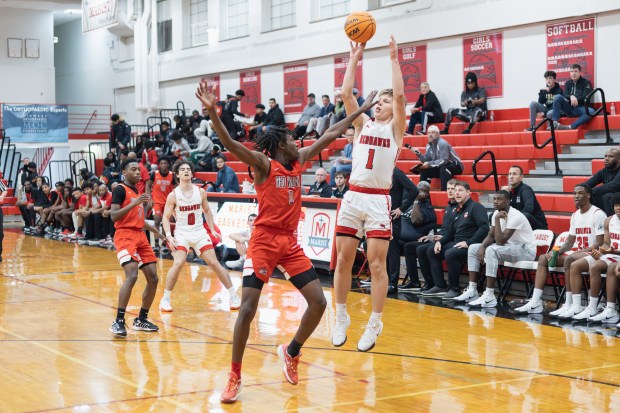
144, 325
118, 328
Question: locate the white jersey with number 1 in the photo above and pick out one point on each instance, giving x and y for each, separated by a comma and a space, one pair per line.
374, 155
188, 211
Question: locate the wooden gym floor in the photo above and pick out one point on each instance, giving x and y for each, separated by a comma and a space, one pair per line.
57, 301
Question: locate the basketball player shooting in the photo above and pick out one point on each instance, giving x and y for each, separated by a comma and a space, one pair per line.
277, 164
365, 209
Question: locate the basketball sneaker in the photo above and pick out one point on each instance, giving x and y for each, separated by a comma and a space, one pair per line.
233, 387
470, 294
339, 336
235, 302
486, 300
144, 325
369, 338
290, 364
531, 307
556, 313
608, 316
236, 265
164, 305
118, 328
585, 314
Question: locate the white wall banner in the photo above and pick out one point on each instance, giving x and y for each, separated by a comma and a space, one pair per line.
97, 14
233, 217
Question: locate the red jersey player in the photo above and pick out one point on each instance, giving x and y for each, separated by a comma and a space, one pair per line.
132, 248
277, 164
160, 184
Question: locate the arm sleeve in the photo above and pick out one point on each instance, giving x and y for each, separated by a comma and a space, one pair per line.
431, 102
118, 195
587, 88
527, 197
596, 179
234, 105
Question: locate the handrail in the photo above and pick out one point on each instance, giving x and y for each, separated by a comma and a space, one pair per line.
488, 175
312, 134
94, 114
15, 171
603, 108
551, 139
182, 108
65, 162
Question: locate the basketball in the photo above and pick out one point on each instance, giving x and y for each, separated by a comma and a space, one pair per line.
360, 26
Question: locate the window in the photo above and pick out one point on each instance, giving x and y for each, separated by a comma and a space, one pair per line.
237, 18
282, 14
332, 8
199, 23
164, 26
375, 4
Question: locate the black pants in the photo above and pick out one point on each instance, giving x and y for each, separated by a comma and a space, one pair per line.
604, 201
28, 215
300, 130
445, 172
1, 230
431, 264
534, 222
411, 258
393, 255
472, 116
101, 226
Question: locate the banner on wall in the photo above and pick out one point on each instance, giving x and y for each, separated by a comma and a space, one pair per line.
295, 88
98, 14
340, 68
213, 81
250, 84
36, 123
412, 61
569, 43
483, 55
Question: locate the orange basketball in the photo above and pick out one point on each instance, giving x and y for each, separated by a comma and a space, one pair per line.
360, 26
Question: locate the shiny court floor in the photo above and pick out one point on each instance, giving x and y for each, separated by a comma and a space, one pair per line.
57, 301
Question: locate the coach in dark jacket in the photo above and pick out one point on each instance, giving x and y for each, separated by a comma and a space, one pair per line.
426, 110
120, 134
522, 197
606, 182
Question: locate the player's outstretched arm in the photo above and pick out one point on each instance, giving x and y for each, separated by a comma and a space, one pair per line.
155, 231
398, 90
350, 103
335, 131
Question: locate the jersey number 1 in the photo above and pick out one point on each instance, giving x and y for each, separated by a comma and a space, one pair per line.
191, 219
371, 158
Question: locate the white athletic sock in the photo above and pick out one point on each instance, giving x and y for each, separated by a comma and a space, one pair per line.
232, 291
243, 257
167, 294
569, 299
592, 303
374, 318
611, 305
490, 290
473, 285
341, 310
577, 304
537, 294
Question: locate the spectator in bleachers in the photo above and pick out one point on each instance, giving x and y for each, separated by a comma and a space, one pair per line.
426, 110
469, 226
208, 161
88, 176
586, 233
242, 240
341, 185
164, 131
339, 109
545, 98
523, 198
25, 203
23, 170
572, 103
344, 163
188, 134
510, 238
227, 180
275, 117
320, 187
149, 155
196, 119
139, 147
45, 200
180, 148
230, 109
30, 173
110, 173
144, 174
606, 182
473, 104
360, 101
120, 134
401, 185
257, 123
178, 122
98, 223
310, 111
321, 122
440, 160
112, 157
69, 184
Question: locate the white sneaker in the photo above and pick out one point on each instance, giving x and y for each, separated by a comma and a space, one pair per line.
608, 316
469, 294
585, 314
369, 338
339, 336
531, 307
236, 265
73, 235
556, 313
570, 313
235, 302
164, 305
486, 300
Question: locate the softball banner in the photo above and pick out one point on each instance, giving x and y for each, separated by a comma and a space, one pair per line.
569, 43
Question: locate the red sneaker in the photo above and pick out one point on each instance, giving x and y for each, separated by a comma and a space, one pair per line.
290, 364
233, 387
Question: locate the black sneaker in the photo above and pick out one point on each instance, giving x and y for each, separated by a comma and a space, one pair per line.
144, 325
467, 131
445, 131
530, 129
425, 288
410, 285
118, 328
435, 292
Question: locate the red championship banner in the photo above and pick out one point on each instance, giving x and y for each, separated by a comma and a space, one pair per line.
340, 68
569, 43
213, 81
412, 61
295, 88
483, 56
250, 84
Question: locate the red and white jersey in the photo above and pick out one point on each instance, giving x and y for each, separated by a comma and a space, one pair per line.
188, 211
374, 156
585, 227
614, 232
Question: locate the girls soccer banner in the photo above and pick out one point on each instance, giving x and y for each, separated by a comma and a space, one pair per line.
569, 43
340, 68
483, 56
213, 81
295, 88
36, 123
250, 84
412, 60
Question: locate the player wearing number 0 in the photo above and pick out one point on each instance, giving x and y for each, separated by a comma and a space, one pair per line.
365, 208
133, 249
188, 202
277, 164
586, 234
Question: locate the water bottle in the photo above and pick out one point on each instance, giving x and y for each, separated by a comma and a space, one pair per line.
492, 116
613, 109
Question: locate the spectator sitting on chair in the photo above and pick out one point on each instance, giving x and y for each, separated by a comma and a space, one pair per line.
606, 182
345, 163
341, 185
87, 176
310, 111
229, 111
46, 199
572, 103
208, 162
523, 198
259, 118
545, 98
339, 110
30, 173
120, 134
510, 238
25, 203
227, 180
426, 110
196, 119
320, 188
275, 117
321, 122
180, 148
242, 240
473, 104
440, 160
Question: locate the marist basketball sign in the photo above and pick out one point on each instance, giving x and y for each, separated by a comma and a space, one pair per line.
318, 234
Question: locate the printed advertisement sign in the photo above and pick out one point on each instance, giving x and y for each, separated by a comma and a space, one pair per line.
36, 123
97, 14
483, 55
295, 88
569, 43
317, 238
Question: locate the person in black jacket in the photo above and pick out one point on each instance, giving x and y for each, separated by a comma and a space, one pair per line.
320, 187
426, 110
470, 225
275, 117
545, 98
523, 198
572, 103
606, 182
120, 134
473, 105
231, 108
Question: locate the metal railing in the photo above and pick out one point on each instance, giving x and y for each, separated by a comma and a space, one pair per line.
81, 159
64, 170
551, 140
603, 109
492, 172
